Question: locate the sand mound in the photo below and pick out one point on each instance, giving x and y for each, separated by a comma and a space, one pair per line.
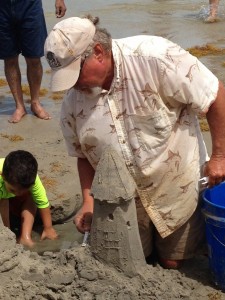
75, 274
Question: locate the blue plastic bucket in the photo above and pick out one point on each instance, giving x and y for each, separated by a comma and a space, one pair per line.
214, 213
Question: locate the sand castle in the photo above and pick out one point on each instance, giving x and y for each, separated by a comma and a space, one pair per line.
115, 238
73, 274
9, 252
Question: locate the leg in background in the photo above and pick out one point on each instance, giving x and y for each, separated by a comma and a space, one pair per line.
34, 77
213, 11
13, 76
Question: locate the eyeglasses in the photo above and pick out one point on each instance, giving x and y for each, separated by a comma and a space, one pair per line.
83, 61
82, 64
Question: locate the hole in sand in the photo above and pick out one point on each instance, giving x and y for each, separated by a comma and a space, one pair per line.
111, 217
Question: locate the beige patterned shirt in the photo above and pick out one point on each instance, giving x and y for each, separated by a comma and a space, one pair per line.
149, 117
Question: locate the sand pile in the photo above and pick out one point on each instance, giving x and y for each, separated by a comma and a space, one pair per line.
75, 274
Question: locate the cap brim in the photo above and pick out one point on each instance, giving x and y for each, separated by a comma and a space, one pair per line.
65, 78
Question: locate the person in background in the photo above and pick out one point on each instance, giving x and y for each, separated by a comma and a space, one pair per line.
23, 30
213, 9
141, 95
21, 193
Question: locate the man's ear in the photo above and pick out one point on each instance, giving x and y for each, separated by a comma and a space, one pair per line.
99, 52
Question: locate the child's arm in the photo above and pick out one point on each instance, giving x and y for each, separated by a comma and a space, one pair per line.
4, 211
40, 198
48, 231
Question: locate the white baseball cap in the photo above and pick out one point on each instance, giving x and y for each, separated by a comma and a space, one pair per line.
63, 49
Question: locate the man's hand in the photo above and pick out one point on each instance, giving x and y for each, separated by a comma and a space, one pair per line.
60, 8
83, 218
215, 167
215, 170
49, 233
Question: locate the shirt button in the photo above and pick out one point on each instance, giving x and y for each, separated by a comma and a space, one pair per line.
123, 141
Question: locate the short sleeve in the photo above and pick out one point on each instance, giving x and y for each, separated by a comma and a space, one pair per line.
39, 194
185, 79
68, 126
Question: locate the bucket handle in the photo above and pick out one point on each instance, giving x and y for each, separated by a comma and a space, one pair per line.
216, 237
213, 217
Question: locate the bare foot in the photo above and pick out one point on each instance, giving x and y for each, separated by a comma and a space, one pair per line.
26, 242
39, 111
211, 19
17, 115
170, 264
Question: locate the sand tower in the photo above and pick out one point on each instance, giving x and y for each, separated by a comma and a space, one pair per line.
115, 237
9, 258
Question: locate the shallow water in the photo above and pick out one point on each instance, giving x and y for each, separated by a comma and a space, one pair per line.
178, 20
68, 236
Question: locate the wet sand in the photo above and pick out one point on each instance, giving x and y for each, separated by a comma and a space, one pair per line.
73, 273
57, 171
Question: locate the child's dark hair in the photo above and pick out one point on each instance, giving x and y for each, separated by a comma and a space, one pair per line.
20, 168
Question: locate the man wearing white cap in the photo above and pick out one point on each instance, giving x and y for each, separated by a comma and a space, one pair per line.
141, 95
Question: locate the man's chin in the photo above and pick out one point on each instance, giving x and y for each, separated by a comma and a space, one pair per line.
88, 90
85, 90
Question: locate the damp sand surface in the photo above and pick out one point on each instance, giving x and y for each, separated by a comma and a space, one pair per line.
63, 269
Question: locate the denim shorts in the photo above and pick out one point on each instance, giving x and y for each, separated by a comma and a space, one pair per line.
22, 28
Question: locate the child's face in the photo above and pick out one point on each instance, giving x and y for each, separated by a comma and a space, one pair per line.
15, 189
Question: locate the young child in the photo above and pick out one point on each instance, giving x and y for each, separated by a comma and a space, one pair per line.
22, 192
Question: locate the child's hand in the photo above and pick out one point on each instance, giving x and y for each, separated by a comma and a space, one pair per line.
49, 233
25, 241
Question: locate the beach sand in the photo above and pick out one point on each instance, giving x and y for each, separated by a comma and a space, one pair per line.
72, 272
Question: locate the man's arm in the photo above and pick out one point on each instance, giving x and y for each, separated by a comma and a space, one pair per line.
215, 168
60, 8
83, 217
